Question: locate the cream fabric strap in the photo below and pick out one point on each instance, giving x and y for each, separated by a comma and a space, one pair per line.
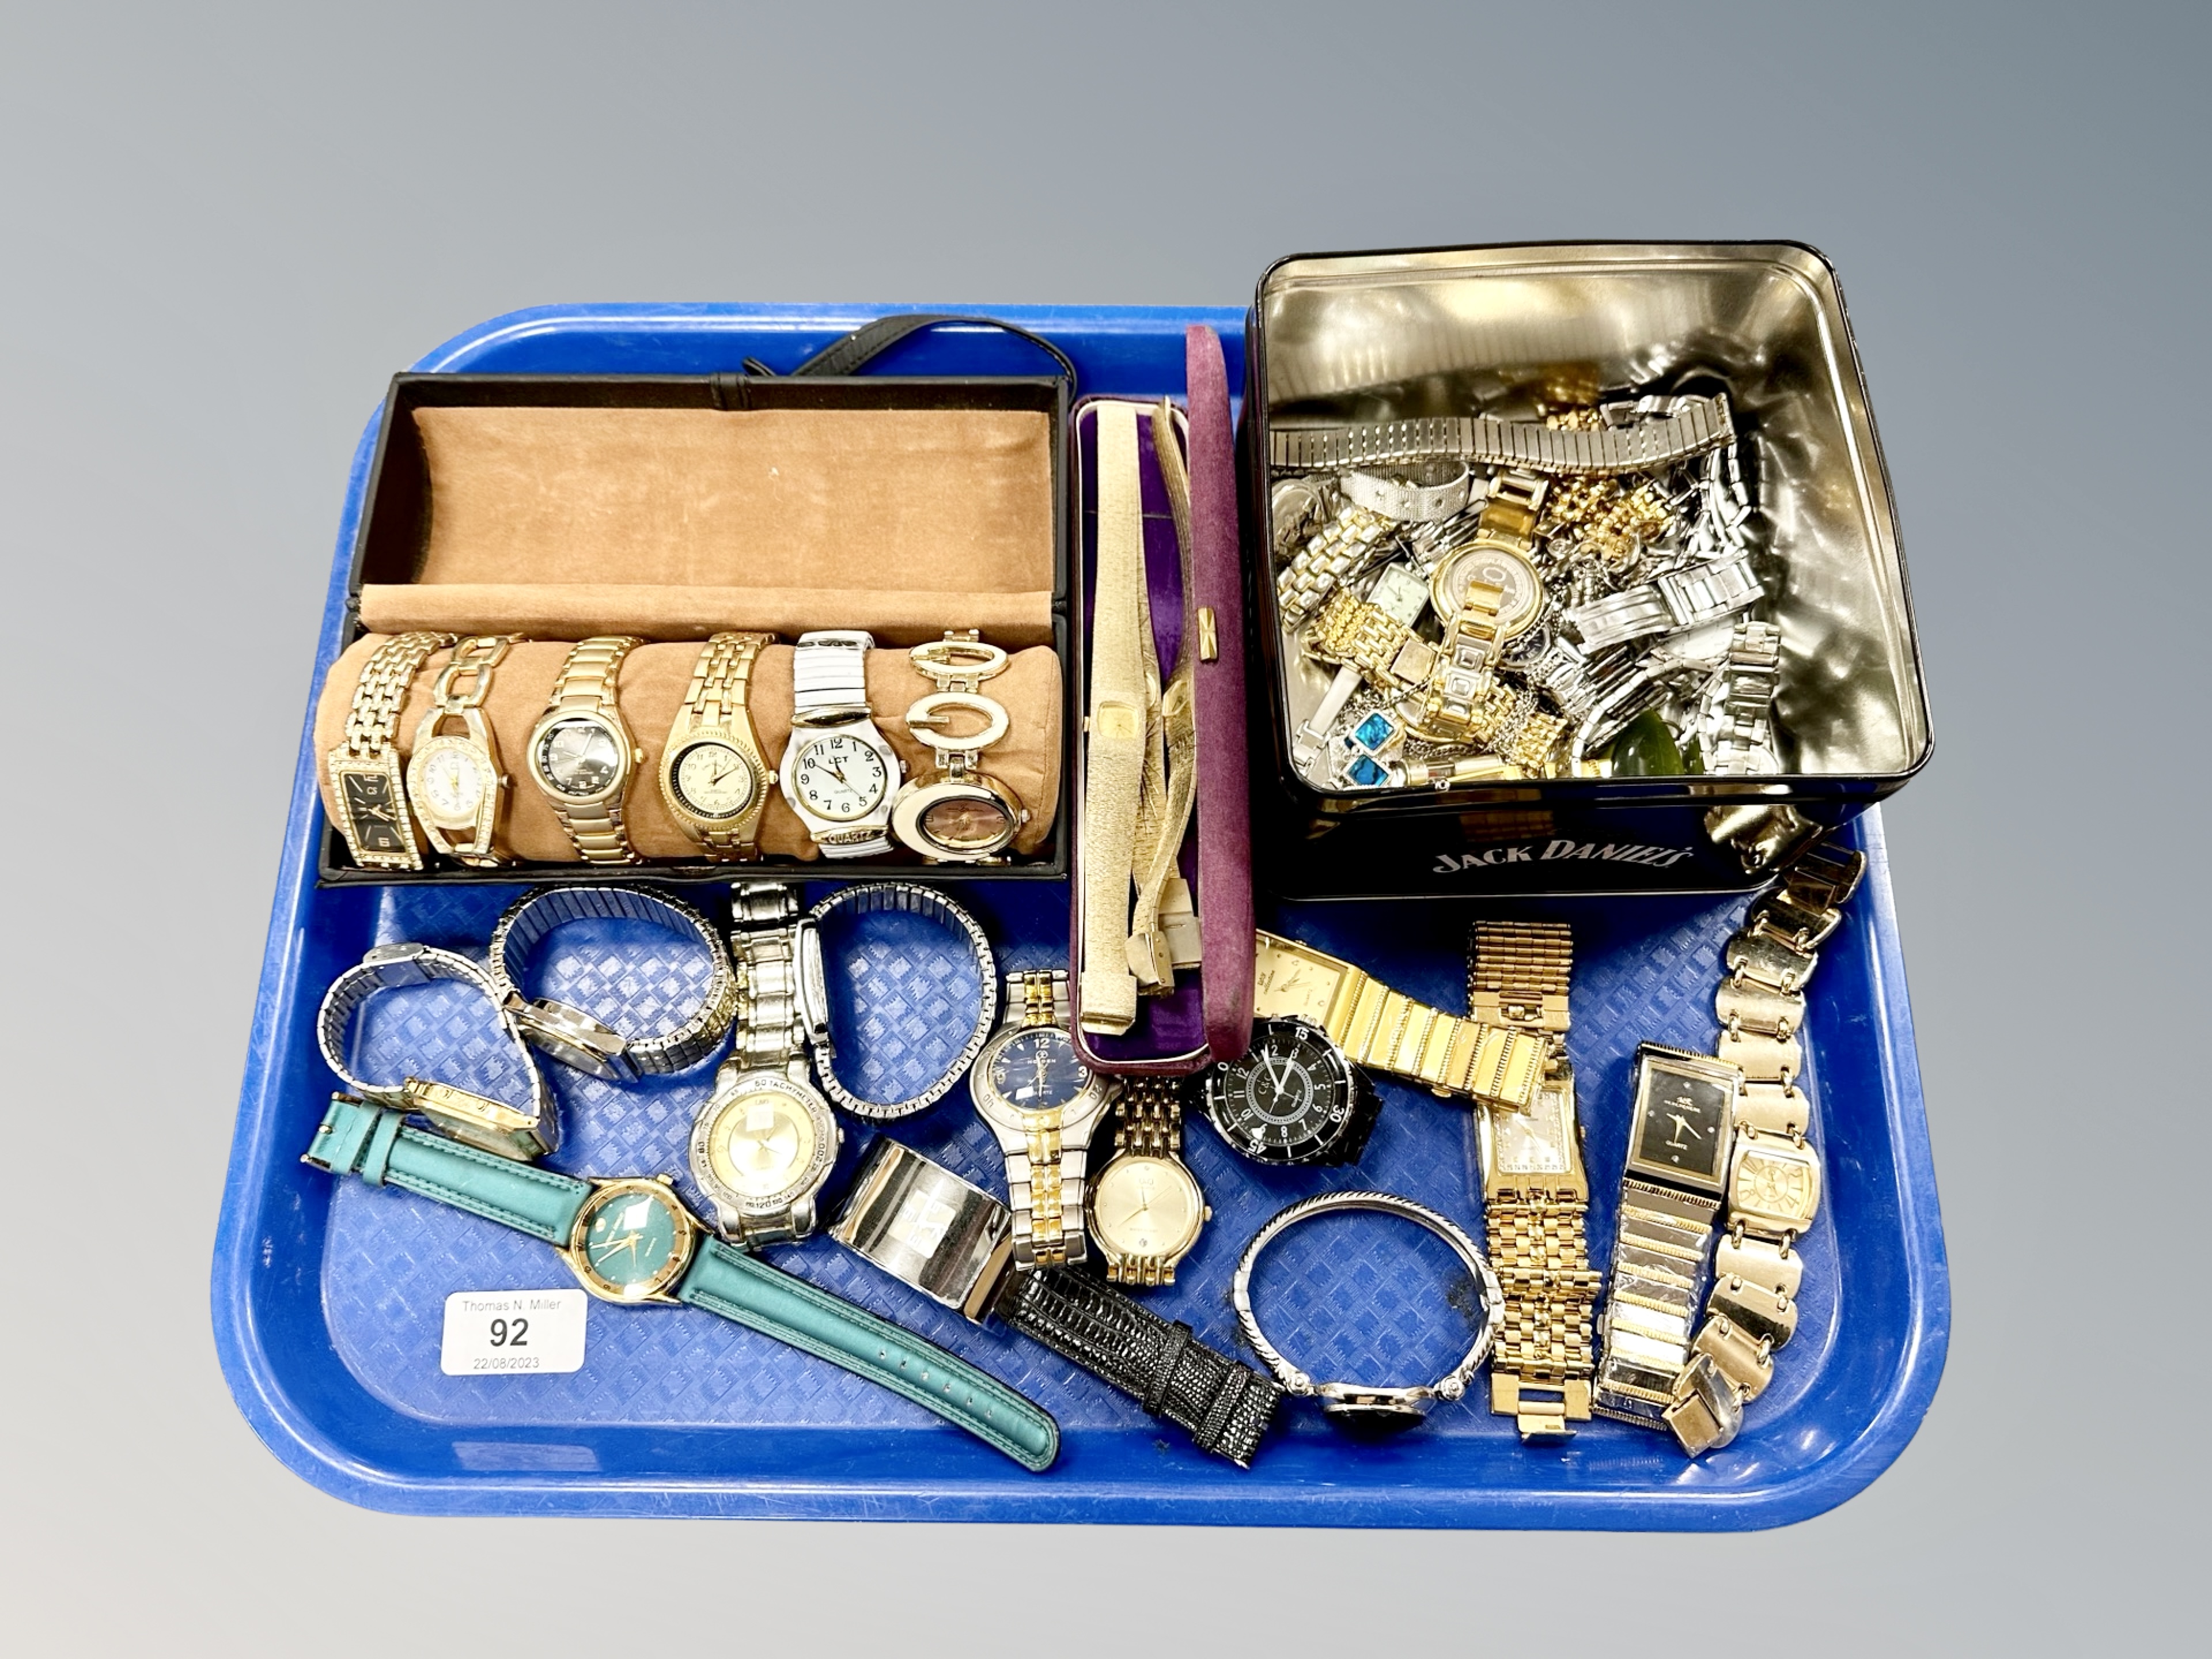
1163, 932
1114, 756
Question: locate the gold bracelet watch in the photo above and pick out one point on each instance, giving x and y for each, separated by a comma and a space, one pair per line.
369, 794
1535, 1188
1389, 1031
712, 776
582, 756
1145, 1205
454, 781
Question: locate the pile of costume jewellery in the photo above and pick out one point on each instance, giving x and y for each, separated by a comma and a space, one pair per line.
1495, 599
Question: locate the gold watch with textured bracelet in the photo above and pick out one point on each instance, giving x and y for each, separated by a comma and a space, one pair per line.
1535, 1189
368, 789
582, 756
1146, 1208
1386, 1030
713, 775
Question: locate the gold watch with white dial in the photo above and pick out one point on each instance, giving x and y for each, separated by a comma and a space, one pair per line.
454, 780
712, 777
1535, 1191
1146, 1208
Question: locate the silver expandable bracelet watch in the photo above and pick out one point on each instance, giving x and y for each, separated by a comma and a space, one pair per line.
575, 1037
867, 898
493, 1126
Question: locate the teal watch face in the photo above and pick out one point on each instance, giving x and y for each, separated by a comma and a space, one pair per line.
632, 1240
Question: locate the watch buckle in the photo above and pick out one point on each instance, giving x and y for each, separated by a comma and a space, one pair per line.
396, 964
1705, 1412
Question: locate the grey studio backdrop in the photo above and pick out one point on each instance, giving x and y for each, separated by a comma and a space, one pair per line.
225, 227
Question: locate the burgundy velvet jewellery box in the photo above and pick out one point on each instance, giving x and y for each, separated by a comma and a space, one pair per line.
335, 1298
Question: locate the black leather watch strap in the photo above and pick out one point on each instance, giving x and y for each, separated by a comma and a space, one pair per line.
849, 355
1226, 1405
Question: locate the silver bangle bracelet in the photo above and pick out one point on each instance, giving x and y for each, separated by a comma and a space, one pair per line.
572, 1036
866, 898
389, 967
1356, 1404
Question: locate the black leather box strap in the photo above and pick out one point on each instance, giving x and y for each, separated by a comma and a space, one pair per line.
1226, 1405
849, 355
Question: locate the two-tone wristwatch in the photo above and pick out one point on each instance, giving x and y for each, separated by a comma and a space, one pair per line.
1042, 1103
631, 1241
454, 780
956, 812
1377, 1027
712, 776
838, 770
496, 1126
1679, 1133
1535, 1191
367, 790
582, 756
1145, 1205
577, 1038
763, 1146
955, 1244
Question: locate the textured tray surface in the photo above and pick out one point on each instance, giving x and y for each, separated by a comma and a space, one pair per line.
329, 1296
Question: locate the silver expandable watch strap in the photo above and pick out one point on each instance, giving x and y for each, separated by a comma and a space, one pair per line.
1696, 425
829, 688
867, 898
532, 917
389, 966
829, 676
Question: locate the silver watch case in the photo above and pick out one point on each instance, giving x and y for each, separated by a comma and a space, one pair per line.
573, 1037
789, 1212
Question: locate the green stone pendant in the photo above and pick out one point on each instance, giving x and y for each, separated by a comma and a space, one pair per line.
1645, 749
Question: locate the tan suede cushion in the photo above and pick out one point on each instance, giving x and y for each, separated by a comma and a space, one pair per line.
673, 523
653, 680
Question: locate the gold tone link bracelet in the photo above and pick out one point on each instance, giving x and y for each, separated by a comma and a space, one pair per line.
1518, 975
1390, 1031
1774, 1172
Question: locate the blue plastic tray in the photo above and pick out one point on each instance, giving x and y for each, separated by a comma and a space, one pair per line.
328, 1297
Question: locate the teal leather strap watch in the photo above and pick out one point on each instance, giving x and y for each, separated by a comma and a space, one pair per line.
630, 1240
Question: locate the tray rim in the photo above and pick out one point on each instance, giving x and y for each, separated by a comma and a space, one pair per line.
292, 1437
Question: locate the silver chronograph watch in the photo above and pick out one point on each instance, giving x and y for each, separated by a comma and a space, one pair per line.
763, 1146
839, 771
1043, 1103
